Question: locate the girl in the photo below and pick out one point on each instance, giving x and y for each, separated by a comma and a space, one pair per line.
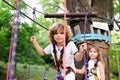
56, 36
95, 68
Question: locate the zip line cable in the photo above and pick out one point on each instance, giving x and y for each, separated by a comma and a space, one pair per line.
39, 11
32, 8
26, 15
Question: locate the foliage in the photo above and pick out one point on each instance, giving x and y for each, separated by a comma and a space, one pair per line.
50, 6
116, 6
5, 32
23, 42
113, 62
114, 50
24, 34
22, 73
115, 36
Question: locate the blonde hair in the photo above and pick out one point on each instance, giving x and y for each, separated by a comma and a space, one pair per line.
58, 26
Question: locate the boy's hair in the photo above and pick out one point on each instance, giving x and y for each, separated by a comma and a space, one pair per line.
53, 30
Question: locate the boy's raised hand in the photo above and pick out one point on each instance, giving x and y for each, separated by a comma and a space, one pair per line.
83, 47
33, 39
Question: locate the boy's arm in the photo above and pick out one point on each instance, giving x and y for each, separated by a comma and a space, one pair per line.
79, 55
37, 46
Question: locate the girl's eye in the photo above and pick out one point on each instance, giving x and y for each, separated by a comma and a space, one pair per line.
55, 33
90, 51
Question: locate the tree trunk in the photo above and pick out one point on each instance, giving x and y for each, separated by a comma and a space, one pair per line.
103, 9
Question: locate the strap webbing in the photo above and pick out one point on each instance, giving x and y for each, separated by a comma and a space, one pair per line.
60, 61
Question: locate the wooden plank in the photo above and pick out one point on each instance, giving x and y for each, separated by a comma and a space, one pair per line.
70, 15
91, 29
77, 30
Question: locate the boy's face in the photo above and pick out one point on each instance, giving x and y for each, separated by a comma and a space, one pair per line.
59, 37
93, 54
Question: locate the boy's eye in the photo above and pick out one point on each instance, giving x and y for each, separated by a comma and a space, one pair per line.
93, 51
59, 33
62, 32
55, 33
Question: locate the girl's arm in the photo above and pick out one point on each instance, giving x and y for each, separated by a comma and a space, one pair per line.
80, 71
102, 71
37, 46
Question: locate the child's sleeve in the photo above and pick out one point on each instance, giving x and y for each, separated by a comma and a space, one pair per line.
73, 48
48, 49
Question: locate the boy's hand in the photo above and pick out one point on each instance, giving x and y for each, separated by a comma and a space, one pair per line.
33, 39
83, 47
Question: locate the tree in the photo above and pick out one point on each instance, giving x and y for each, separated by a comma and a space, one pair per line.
104, 9
5, 31
116, 6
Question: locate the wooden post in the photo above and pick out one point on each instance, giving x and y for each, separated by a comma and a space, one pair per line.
103, 9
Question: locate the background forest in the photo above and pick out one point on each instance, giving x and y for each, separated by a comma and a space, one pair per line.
39, 64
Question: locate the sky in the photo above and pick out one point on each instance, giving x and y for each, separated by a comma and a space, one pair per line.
33, 4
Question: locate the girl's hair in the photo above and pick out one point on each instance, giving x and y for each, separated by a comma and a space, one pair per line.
54, 29
99, 57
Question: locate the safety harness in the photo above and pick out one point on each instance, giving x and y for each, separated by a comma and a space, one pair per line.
59, 63
93, 71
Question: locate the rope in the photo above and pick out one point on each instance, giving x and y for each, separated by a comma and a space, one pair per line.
30, 56
85, 23
47, 69
85, 54
12, 64
65, 24
10, 52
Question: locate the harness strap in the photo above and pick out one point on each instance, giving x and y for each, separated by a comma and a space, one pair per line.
93, 71
56, 59
60, 61
69, 69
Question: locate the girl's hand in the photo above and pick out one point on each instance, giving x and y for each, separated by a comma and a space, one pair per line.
84, 69
81, 71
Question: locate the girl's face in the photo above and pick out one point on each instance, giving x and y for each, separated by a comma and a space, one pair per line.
93, 54
59, 37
